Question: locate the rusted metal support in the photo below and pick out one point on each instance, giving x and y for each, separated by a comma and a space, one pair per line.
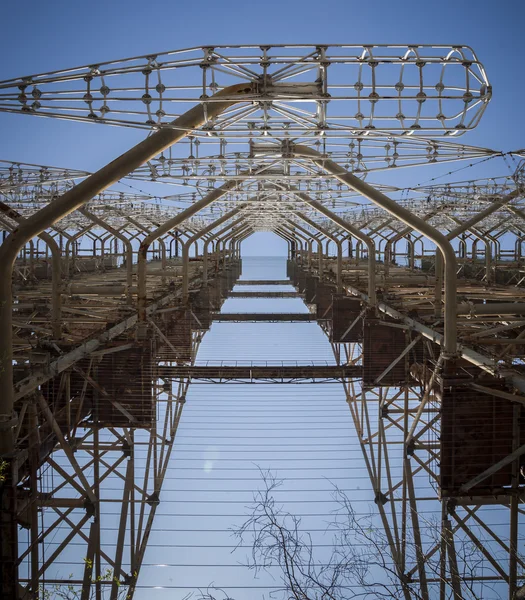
352, 231
391, 242
237, 235
206, 246
164, 228
465, 226
310, 236
496, 308
278, 372
127, 244
70, 245
289, 242
186, 246
294, 233
408, 218
242, 237
484, 240
56, 271
73, 199
162, 244
337, 242
264, 317
234, 233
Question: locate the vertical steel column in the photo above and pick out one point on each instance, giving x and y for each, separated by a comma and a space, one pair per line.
488, 248
206, 244
337, 242
194, 238
69, 244
56, 271
315, 236
380, 199
496, 205
301, 237
352, 231
127, 246
167, 226
395, 238
288, 237
73, 199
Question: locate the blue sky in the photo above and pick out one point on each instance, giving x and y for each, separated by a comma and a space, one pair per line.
42, 36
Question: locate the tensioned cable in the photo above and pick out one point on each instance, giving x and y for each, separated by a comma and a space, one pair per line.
269, 436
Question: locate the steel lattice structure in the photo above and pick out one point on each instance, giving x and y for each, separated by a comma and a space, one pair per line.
106, 295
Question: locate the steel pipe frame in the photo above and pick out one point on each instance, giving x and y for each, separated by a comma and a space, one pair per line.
392, 241
306, 254
327, 247
213, 238
519, 213
221, 240
56, 271
234, 234
343, 236
70, 239
162, 244
102, 457
496, 205
127, 244
70, 201
294, 234
242, 237
484, 240
165, 228
312, 236
287, 237
374, 473
223, 237
337, 242
231, 234
375, 444
380, 199
376, 231
89, 233
352, 231
186, 246
297, 241
290, 240
207, 243
375, 448
238, 237
224, 241
103, 239
320, 208
173, 234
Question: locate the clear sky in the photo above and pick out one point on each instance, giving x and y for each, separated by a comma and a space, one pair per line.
42, 36
38, 36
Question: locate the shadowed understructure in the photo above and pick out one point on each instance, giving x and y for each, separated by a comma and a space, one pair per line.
396, 317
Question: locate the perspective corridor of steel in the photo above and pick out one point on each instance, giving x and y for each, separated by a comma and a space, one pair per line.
105, 296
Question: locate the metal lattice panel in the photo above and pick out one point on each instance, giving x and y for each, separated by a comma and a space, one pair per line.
299, 91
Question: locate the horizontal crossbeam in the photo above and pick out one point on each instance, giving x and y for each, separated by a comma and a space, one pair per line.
264, 295
265, 317
268, 373
263, 282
